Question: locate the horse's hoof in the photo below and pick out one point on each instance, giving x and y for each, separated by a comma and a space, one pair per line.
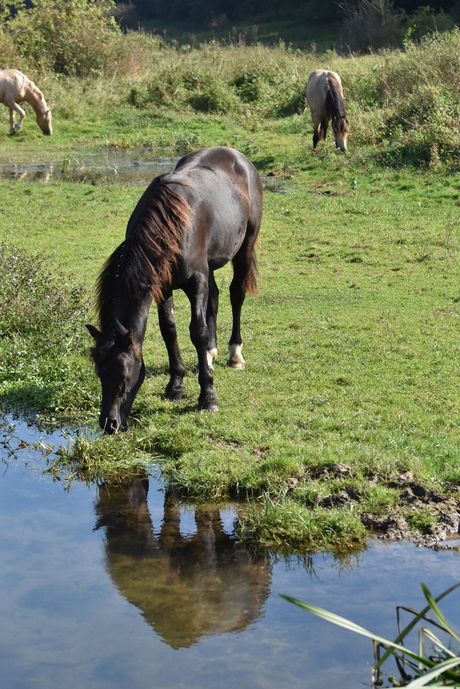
208, 405
235, 357
236, 364
213, 407
175, 394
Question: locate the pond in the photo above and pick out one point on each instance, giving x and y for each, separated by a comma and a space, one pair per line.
119, 587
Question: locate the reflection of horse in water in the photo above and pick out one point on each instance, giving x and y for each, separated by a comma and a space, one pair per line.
36, 172
186, 587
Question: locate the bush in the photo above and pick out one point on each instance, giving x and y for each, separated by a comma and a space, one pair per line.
409, 103
70, 37
425, 22
42, 317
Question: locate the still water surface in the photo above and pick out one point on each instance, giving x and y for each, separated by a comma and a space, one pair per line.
99, 167
103, 167
104, 587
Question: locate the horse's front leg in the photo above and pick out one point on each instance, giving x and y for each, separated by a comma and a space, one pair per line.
175, 388
14, 108
197, 291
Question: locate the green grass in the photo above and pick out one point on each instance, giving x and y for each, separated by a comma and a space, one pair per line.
351, 346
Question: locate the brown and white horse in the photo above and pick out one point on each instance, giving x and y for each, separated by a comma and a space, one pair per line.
325, 98
16, 88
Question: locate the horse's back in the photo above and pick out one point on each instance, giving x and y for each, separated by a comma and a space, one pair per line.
316, 93
219, 168
13, 85
220, 191
224, 191
320, 82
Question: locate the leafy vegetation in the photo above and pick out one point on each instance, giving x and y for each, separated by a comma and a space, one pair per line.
41, 312
70, 37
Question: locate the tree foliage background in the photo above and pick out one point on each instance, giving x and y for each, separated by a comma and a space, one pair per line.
365, 24
77, 37
240, 10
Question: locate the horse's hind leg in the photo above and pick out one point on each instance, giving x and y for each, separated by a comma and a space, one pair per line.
175, 388
211, 320
323, 128
316, 133
242, 266
320, 129
197, 290
317, 127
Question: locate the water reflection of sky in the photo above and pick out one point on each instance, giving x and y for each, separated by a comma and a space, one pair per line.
65, 622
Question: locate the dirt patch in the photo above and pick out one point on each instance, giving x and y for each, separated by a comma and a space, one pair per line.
441, 508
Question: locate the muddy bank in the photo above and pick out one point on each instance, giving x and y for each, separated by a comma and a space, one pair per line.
441, 508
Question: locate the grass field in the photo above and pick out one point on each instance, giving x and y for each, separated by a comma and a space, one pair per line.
350, 394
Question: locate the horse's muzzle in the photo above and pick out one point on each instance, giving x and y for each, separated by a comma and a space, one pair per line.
112, 426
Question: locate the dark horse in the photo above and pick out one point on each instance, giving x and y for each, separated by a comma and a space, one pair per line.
186, 225
325, 98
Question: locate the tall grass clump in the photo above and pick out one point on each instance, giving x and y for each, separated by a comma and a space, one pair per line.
267, 82
42, 335
406, 102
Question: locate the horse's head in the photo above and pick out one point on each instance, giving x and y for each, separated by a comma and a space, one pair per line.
44, 122
340, 127
120, 367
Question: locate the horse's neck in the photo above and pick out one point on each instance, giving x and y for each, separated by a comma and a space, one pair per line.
35, 98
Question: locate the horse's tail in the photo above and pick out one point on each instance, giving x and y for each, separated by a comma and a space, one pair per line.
335, 107
251, 277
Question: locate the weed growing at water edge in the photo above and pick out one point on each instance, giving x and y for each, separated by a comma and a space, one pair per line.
438, 667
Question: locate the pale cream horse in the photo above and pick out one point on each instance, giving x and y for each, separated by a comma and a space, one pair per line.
16, 88
325, 98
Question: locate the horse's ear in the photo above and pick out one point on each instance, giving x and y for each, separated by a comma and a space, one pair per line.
126, 335
94, 332
120, 329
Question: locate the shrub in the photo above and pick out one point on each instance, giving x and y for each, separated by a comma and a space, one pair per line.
214, 97
42, 316
69, 37
425, 21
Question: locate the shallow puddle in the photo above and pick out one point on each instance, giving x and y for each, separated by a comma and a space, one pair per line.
118, 587
101, 167
104, 167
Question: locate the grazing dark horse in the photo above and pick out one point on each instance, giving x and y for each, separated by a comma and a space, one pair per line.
15, 88
325, 98
187, 224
